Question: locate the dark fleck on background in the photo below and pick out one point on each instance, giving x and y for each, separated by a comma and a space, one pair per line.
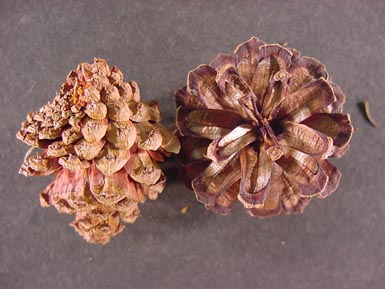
338, 242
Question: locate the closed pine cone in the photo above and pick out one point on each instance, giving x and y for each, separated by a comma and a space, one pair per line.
102, 143
258, 126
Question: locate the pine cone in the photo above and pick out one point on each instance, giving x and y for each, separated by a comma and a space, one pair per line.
102, 143
258, 125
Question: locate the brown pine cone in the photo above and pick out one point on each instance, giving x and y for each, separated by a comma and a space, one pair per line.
102, 143
258, 126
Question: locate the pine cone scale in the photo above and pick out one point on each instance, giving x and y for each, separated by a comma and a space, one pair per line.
272, 204
336, 126
208, 123
216, 180
224, 203
334, 177
235, 140
305, 139
202, 84
301, 104
256, 174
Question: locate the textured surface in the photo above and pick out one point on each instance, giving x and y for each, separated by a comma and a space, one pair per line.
337, 243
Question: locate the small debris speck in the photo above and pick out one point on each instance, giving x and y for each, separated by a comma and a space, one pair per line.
184, 210
368, 114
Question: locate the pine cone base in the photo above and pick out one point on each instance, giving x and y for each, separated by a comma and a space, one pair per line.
258, 126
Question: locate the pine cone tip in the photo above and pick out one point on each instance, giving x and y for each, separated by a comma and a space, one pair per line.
102, 143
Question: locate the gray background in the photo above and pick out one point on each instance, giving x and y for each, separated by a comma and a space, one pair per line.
338, 242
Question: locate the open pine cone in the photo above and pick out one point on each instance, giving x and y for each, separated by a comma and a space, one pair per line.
258, 126
102, 143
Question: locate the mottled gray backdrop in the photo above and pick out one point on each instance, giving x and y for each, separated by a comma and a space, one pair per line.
337, 243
